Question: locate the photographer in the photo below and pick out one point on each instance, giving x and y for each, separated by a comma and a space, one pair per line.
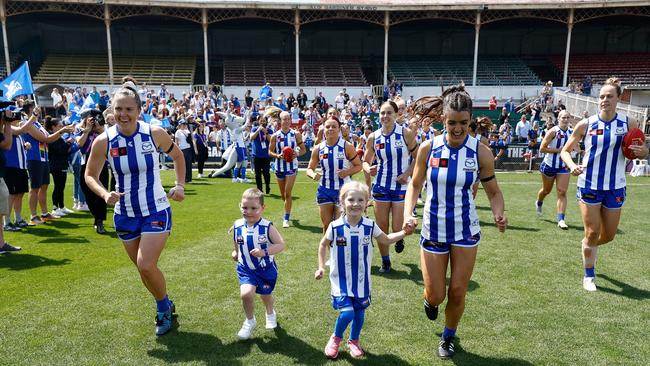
8, 116
59, 155
91, 127
260, 137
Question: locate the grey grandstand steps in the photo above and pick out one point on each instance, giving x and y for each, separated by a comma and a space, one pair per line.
78, 69
630, 68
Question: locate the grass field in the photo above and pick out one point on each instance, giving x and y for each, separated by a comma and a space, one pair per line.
72, 297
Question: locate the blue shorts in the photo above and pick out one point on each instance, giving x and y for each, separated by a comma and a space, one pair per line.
39, 173
289, 173
357, 303
552, 172
326, 196
382, 194
241, 154
263, 279
607, 198
434, 247
130, 228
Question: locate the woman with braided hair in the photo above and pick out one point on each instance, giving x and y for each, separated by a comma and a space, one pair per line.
143, 217
450, 164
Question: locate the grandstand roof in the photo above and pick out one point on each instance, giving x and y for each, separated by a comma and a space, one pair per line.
366, 5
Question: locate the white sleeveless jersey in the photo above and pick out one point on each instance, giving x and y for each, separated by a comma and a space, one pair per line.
605, 164
426, 135
553, 160
238, 136
283, 140
392, 157
351, 256
332, 160
449, 211
248, 238
225, 138
135, 163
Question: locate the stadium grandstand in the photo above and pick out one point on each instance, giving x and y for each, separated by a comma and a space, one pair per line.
507, 49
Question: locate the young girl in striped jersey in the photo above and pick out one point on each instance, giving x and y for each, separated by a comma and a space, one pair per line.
553, 169
256, 242
338, 162
349, 239
601, 177
450, 164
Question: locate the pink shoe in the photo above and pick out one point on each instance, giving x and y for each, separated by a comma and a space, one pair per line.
332, 348
355, 349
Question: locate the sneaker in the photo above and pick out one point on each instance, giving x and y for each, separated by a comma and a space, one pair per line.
247, 329
385, 267
355, 349
562, 225
100, 229
399, 246
332, 348
446, 347
11, 227
285, 223
589, 283
49, 217
430, 310
244, 180
213, 174
539, 209
67, 210
163, 322
23, 223
268, 190
271, 320
83, 207
199, 175
59, 212
8, 248
35, 220
235, 180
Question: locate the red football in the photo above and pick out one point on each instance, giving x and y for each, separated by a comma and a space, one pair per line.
360, 152
633, 137
287, 153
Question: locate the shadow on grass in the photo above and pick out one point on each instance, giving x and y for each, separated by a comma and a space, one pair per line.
571, 227
463, 357
65, 240
626, 290
510, 227
20, 261
309, 228
193, 347
292, 347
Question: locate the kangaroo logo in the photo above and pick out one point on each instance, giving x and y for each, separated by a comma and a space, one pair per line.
13, 88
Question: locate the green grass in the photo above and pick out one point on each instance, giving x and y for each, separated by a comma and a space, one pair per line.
72, 297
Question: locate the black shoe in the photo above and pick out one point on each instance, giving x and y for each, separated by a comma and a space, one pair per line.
399, 246
99, 228
8, 248
431, 311
446, 347
268, 190
385, 267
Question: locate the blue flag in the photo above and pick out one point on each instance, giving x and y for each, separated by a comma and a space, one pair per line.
18, 83
165, 123
89, 103
265, 93
146, 118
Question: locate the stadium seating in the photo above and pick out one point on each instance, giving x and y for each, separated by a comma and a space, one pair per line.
631, 68
279, 71
450, 70
93, 69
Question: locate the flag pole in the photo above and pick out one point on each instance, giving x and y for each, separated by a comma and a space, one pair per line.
33, 93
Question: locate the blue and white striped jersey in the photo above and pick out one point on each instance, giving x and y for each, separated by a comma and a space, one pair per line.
605, 167
225, 138
351, 256
135, 163
553, 160
17, 156
449, 210
332, 160
283, 140
392, 157
248, 238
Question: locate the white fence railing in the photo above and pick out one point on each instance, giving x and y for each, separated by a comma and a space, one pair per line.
576, 104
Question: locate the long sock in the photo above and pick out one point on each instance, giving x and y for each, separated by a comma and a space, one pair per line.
560, 216
446, 333
540, 203
590, 272
385, 258
162, 305
286, 216
243, 171
235, 173
18, 216
345, 317
357, 324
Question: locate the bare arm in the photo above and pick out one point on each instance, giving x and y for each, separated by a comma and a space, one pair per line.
272, 148
384, 239
313, 163
491, 187
8, 137
641, 152
301, 145
547, 140
369, 156
164, 142
355, 161
276, 247
574, 141
322, 253
417, 181
94, 167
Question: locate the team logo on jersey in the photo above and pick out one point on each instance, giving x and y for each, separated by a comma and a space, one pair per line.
341, 156
340, 241
240, 240
118, 151
399, 143
366, 240
147, 147
129, 144
438, 162
261, 238
379, 146
324, 156
596, 132
470, 164
162, 199
620, 131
